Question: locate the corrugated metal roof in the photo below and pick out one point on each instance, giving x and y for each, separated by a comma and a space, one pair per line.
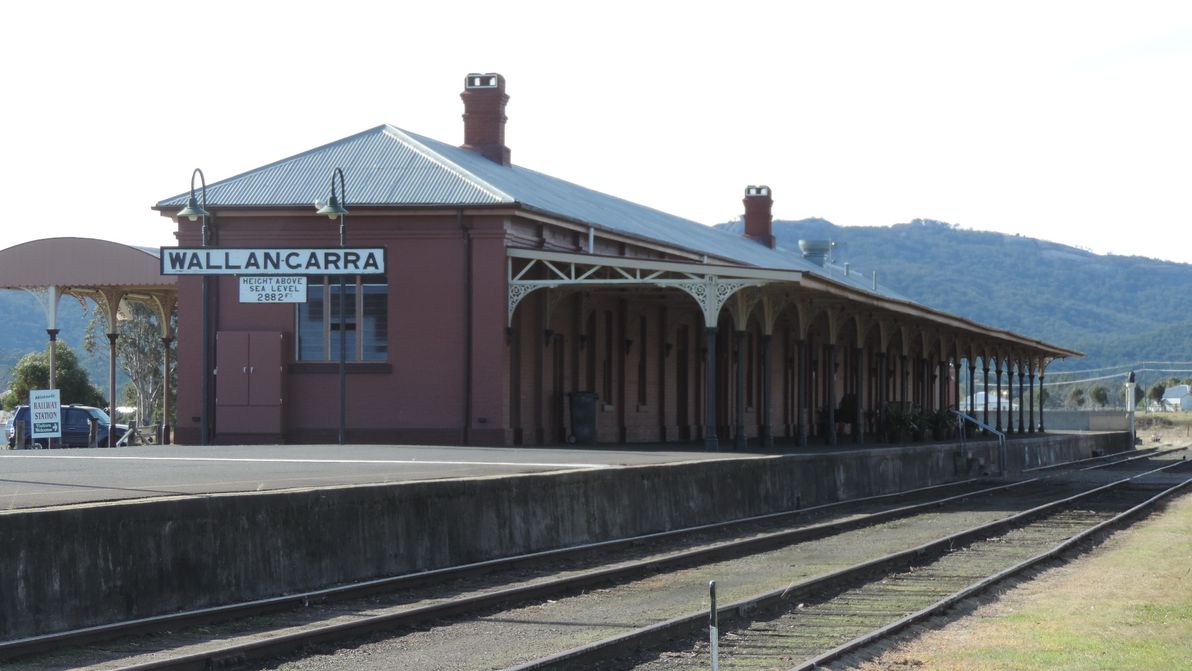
381, 168
387, 166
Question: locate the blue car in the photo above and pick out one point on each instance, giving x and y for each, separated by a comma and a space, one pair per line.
76, 427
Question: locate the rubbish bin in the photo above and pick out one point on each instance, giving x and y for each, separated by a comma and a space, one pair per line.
583, 417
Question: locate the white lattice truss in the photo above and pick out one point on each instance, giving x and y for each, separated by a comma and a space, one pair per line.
709, 285
715, 286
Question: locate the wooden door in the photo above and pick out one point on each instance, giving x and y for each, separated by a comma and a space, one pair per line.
248, 386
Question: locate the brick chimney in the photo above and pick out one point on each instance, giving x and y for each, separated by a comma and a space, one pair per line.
484, 116
758, 216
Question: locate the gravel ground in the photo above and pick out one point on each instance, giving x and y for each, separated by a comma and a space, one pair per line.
510, 637
117, 654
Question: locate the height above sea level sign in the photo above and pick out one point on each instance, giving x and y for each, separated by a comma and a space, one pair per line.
273, 289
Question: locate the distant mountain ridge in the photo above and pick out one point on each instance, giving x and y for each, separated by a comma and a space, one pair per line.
1115, 309
24, 331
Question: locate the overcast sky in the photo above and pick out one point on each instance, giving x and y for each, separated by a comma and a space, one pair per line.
1067, 121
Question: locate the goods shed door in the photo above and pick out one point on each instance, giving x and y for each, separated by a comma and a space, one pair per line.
248, 385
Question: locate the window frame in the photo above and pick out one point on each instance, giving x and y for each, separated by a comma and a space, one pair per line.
355, 291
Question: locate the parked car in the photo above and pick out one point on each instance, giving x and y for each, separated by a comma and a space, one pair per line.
76, 426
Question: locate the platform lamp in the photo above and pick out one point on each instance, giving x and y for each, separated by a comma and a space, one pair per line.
335, 209
194, 211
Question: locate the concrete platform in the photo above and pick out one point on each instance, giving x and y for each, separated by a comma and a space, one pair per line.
43, 478
39, 478
89, 537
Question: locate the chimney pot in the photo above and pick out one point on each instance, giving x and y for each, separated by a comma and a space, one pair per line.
484, 116
759, 216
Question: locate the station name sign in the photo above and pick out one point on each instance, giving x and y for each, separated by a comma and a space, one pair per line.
273, 261
45, 411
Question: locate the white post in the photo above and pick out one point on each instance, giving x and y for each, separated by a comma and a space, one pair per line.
1130, 403
713, 626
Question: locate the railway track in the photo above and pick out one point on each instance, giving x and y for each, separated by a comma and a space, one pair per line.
276, 627
816, 622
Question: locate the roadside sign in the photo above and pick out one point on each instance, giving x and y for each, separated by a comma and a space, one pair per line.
273, 289
45, 412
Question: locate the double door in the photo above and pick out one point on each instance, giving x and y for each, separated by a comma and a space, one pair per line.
248, 385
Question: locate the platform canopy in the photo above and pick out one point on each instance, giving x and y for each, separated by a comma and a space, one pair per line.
106, 272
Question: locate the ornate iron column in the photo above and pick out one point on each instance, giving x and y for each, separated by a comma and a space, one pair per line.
1040, 400
1031, 404
740, 441
112, 380
985, 369
859, 419
767, 400
53, 333
956, 380
997, 424
882, 390
710, 442
1021, 398
1010, 397
830, 400
803, 356
972, 388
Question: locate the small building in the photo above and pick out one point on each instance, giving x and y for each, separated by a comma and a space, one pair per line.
1177, 398
518, 308
996, 402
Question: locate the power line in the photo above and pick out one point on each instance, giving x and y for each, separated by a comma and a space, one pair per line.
1110, 377
1123, 367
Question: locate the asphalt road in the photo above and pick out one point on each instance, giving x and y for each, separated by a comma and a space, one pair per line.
38, 478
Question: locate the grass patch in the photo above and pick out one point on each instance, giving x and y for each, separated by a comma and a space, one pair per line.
1128, 605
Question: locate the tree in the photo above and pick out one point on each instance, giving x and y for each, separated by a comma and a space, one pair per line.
1155, 393
1076, 398
139, 354
1138, 396
33, 372
1099, 395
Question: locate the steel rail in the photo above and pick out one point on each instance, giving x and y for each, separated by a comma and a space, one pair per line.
1135, 458
33, 645
1089, 535
1113, 457
691, 623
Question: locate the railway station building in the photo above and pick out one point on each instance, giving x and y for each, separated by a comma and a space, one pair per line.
515, 308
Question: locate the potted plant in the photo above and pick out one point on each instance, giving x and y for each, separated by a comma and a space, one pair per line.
922, 421
846, 412
942, 423
901, 423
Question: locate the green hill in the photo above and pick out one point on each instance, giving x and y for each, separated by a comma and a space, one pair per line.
1118, 310
24, 331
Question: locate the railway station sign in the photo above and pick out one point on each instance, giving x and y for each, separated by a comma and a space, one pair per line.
45, 413
273, 289
273, 261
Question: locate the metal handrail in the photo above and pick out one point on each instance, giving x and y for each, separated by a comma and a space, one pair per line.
1001, 437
